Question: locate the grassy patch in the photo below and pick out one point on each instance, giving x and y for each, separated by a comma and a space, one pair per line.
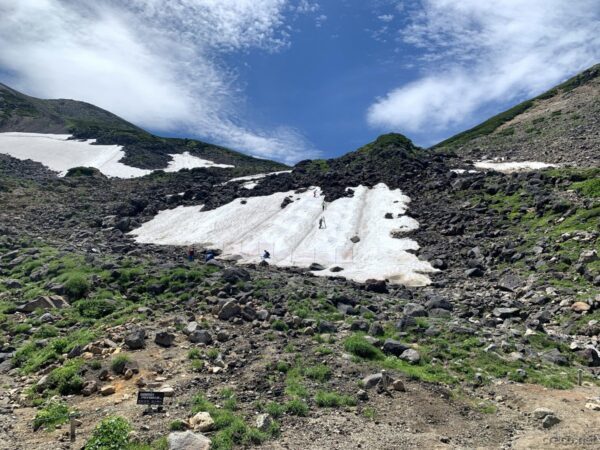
231, 428
359, 346
330, 399
53, 413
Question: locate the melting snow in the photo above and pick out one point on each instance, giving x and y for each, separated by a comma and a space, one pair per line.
187, 161
246, 227
58, 153
253, 180
508, 167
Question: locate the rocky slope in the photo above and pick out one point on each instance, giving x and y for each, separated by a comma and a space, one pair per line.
21, 113
489, 355
561, 126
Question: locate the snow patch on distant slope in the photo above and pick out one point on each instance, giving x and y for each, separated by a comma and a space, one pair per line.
59, 153
187, 161
515, 166
253, 180
246, 227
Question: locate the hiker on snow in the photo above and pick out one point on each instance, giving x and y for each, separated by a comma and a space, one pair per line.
322, 223
266, 255
191, 253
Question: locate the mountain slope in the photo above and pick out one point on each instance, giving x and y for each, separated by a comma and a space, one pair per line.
561, 125
22, 113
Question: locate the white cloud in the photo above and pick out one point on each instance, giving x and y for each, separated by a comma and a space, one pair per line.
475, 53
319, 20
155, 63
304, 6
386, 17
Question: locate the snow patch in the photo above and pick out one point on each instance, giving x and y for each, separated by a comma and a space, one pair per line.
515, 166
59, 153
245, 227
253, 180
187, 161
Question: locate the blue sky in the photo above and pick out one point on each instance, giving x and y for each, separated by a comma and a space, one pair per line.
296, 79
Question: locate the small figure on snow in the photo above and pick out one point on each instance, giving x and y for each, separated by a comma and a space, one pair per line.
266, 255
322, 223
191, 253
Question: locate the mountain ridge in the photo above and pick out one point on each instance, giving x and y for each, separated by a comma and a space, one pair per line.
22, 113
548, 127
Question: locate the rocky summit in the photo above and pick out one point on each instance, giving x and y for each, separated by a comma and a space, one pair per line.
294, 320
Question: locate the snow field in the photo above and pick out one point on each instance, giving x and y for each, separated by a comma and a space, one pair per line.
515, 166
58, 153
245, 228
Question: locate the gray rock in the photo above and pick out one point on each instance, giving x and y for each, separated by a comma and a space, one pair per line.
510, 282
373, 380
135, 339
378, 286
555, 357
360, 325
414, 310
437, 302
47, 318
44, 302
590, 357
223, 336
190, 328
164, 338
550, 420
229, 310
235, 274
393, 347
411, 355
326, 327
376, 329
540, 413
201, 337
13, 284
316, 267
264, 422
474, 272
187, 440
505, 313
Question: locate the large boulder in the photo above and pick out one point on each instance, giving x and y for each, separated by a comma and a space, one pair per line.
393, 347
414, 310
135, 339
187, 440
164, 338
229, 310
377, 286
201, 337
44, 302
235, 274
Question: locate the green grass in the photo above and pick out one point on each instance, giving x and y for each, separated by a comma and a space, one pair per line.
589, 188
297, 407
359, 346
231, 428
178, 425
119, 362
320, 373
111, 433
66, 379
53, 413
194, 353
330, 399
294, 386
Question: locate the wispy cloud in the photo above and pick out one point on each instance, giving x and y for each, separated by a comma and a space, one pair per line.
155, 63
475, 53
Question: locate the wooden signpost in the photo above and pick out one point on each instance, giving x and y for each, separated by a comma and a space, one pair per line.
151, 398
